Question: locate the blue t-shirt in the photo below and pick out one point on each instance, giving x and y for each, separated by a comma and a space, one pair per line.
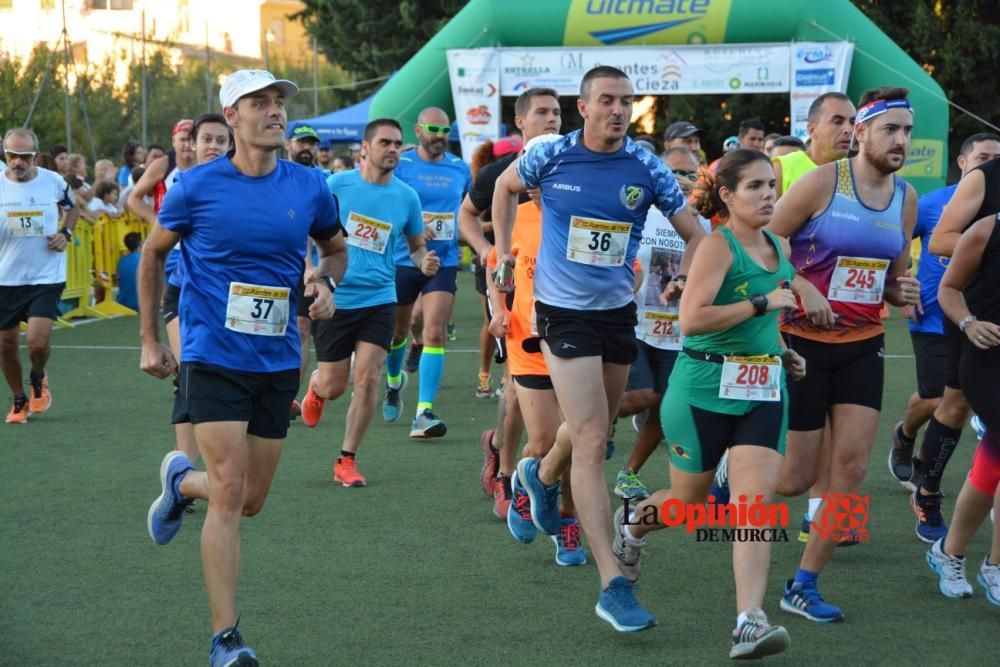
441, 187
249, 230
128, 294
594, 208
376, 218
931, 267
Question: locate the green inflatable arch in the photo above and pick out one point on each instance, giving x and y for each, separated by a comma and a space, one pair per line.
877, 61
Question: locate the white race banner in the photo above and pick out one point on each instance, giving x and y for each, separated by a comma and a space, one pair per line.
475, 91
817, 68
654, 70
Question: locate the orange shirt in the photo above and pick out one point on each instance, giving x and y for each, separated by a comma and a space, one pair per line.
525, 241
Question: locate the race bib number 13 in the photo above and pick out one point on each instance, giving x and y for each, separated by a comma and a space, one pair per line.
25, 223
257, 309
751, 379
858, 280
597, 242
367, 233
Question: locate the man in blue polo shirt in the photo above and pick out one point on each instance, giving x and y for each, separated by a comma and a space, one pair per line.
244, 220
376, 209
596, 186
441, 179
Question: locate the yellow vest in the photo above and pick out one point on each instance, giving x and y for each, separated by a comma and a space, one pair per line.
793, 167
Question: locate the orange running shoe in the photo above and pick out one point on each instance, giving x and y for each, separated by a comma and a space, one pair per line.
345, 471
40, 399
295, 410
501, 501
312, 405
19, 411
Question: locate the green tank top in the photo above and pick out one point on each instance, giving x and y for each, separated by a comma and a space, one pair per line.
699, 380
793, 167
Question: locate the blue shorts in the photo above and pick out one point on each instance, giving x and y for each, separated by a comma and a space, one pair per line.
411, 283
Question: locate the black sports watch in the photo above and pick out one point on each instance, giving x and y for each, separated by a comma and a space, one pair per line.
759, 303
330, 283
67, 232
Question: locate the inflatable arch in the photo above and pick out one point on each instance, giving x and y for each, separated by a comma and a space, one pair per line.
877, 61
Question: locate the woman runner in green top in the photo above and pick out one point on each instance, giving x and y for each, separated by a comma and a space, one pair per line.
727, 390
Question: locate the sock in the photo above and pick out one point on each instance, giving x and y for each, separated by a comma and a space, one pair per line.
805, 577
903, 438
394, 365
741, 619
346, 455
939, 444
814, 504
431, 369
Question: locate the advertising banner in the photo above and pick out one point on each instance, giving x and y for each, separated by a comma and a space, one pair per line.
475, 89
817, 68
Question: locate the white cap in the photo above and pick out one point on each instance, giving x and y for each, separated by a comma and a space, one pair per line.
542, 139
246, 81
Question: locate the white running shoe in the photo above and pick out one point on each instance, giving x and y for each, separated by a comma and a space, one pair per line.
951, 572
989, 578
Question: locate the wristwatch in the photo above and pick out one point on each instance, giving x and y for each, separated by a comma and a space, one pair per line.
966, 321
330, 283
759, 303
67, 232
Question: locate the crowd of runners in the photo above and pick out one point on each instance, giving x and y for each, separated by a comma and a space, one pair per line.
734, 313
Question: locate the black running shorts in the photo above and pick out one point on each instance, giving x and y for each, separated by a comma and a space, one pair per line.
337, 337
20, 302
609, 334
931, 354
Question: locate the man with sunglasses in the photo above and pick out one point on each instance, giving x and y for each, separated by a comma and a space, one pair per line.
441, 180
32, 266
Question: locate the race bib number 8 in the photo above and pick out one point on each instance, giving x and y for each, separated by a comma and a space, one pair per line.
751, 379
257, 309
661, 329
858, 280
597, 242
442, 225
367, 233
26, 223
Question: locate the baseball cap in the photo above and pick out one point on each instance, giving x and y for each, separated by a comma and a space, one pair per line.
245, 81
680, 130
183, 125
731, 143
506, 146
304, 132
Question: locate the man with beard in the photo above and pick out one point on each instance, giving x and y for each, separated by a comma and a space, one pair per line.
32, 267
441, 179
829, 123
302, 146
851, 251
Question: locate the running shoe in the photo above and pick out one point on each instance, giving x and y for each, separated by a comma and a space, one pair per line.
544, 499
392, 404
483, 389
978, 426
412, 364
720, 482
628, 485
930, 522
639, 420
757, 638
452, 332
502, 496
900, 456
19, 410
426, 425
40, 399
806, 601
491, 464
950, 571
626, 554
519, 514
345, 472
619, 607
989, 578
228, 649
166, 514
569, 548
312, 404
804, 530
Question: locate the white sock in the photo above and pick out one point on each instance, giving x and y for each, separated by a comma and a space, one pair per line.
630, 537
397, 384
741, 619
814, 504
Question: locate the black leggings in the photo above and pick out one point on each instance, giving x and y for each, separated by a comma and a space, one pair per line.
979, 374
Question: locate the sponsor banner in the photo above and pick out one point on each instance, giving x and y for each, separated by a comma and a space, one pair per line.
817, 68
925, 161
613, 22
654, 70
475, 91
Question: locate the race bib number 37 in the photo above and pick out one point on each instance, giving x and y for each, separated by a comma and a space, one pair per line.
257, 309
751, 379
858, 280
442, 225
597, 242
367, 233
26, 223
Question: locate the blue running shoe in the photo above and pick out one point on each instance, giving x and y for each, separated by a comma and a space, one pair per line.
569, 549
806, 601
228, 649
720, 482
166, 514
930, 522
519, 513
619, 607
392, 404
979, 427
544, 499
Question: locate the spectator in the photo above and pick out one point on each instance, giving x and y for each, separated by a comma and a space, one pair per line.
76, 177
685, 135
342, 163
128, 294
133, 154
786, 145
154, 151
751, 134
104, 170
105, 200
61, 156
46, 161
136, 174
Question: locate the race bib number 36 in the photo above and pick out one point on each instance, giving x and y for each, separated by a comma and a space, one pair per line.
257, 309
858, 280
442, 225
751, 379
661, 329
367, 233
26, 223
597, 242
